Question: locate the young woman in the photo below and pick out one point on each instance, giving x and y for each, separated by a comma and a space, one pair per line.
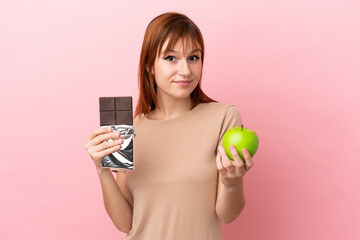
184, 185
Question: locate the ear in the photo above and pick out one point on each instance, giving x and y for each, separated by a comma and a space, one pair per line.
147, 69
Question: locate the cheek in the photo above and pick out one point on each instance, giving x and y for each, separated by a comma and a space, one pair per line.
197, 71
163, 71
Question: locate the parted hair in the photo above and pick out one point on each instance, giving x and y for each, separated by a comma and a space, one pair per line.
174, 26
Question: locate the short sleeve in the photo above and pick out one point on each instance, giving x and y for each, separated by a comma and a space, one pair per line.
231, 119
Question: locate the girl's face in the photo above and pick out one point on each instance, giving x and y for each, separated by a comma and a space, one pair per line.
177, 73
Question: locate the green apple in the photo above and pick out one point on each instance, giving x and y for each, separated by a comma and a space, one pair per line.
241, 138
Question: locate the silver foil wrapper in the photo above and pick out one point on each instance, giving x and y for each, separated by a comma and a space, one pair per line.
124, 157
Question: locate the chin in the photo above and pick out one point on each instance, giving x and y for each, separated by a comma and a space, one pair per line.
182, 95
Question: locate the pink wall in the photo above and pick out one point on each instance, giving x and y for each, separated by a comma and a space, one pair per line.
291, 68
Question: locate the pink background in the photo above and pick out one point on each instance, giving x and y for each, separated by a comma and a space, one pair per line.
290, 67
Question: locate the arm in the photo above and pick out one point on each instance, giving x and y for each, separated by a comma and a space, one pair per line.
230, 197
230, 201
116, 205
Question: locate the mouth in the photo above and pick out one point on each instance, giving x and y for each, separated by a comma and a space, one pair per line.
183, 80
183, 83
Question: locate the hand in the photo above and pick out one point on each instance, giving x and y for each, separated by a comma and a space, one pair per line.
98, 147
232, 172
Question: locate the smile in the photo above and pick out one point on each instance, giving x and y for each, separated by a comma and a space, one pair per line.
184, 83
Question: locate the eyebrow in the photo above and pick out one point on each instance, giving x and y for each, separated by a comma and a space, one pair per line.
177, 52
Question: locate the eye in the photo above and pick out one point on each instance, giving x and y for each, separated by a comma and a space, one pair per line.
170, 58
194, 56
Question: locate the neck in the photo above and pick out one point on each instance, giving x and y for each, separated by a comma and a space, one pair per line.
171, 108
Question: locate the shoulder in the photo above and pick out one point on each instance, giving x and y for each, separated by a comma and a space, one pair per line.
138, 119
224, 115
220, 109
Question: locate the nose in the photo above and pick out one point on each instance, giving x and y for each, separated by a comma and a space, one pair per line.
184, 69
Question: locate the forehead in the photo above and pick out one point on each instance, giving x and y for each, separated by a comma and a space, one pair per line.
181, 45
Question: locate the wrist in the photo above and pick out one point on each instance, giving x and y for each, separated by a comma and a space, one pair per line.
100, 170
235, 185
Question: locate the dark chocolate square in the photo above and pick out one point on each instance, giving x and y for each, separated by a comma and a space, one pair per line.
106, 103
124, 117
123, 104
107, 118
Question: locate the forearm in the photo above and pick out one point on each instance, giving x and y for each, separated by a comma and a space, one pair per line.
230, 202
116, 205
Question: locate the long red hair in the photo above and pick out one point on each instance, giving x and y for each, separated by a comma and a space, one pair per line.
174, 26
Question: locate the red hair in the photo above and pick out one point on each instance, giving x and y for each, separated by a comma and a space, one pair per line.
174, 26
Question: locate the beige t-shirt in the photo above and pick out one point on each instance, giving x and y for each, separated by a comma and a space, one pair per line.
174, 184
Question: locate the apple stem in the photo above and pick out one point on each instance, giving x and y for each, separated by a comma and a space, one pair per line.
242, 127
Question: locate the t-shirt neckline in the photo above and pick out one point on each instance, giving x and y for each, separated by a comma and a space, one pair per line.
171, 119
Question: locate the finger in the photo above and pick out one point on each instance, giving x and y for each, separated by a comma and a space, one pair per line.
237, 160
219, 165
226, 162
98, 131
103, 137
248, 160
107, 144
102, 154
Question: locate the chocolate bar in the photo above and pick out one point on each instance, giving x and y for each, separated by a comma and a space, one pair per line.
115, 111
